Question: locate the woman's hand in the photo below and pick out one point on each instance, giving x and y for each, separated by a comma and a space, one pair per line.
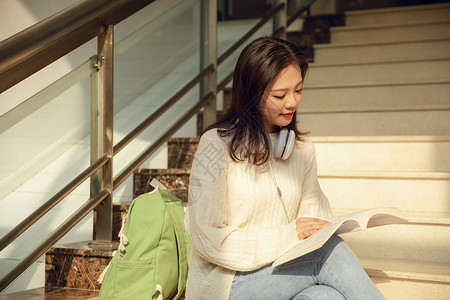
308, 226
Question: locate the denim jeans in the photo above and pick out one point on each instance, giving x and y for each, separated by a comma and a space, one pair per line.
331, 272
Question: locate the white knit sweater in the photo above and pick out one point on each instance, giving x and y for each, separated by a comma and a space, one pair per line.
235, 217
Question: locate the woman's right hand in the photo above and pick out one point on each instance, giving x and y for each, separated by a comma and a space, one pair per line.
308, 226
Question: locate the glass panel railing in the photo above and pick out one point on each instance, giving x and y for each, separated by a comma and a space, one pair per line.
294, 6
227, 36
44, 144
36, 132
151, 65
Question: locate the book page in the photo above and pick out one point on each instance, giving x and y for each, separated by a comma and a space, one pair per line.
342, 224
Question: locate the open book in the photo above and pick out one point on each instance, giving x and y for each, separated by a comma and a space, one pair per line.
342, 224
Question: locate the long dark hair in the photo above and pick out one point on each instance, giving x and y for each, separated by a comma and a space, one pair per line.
258, 64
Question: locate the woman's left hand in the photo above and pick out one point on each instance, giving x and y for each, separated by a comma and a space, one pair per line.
308, 226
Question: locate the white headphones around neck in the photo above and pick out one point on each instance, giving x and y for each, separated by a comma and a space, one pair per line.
284, 144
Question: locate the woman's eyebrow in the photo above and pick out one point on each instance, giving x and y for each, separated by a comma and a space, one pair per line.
283, 89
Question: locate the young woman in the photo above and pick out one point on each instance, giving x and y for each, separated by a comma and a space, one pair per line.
254, 194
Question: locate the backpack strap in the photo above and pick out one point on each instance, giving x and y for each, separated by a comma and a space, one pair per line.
183, 241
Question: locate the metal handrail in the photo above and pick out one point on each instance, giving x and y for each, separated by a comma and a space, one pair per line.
32, 49
40, 250
161, 140
47, 206
298, 13
169, 103
222, 85
255, 28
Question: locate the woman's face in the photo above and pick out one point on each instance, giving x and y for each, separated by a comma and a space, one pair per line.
281, 98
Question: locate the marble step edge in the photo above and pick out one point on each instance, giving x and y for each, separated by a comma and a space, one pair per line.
381, 139
406, 269
338, 29
183, 140
397, 9
375, 63
414, 217
384, 175
374, 109
168, 171
377, 44
371, 85
353, 139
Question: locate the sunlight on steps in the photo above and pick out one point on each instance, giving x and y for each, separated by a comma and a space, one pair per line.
377, 105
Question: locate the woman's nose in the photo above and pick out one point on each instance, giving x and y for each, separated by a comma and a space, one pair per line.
290, 101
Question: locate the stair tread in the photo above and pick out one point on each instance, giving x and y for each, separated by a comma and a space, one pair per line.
171, 171
349, 86
406, 269
385, 174
414, 217
380, 139
372, 63
376, 44
389, 25
396, 9
391, 108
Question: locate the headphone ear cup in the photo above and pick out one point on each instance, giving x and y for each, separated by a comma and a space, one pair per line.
289, 145
280, 144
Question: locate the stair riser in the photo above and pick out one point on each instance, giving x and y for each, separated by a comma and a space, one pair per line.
397, 15
387, 95
384, 156
410, 242
376, 123
391, 34
419, 195
361, 193
403, 289
384, 53
382, 73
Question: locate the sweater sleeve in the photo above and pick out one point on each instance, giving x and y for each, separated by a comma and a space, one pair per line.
313, 201
231, 247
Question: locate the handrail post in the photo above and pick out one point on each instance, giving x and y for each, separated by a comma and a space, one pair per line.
103, 131
280, 20
208, 55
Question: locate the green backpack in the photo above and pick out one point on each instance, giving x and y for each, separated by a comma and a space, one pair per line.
152, 259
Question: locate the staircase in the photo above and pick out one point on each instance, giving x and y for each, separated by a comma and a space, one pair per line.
377, 106
376, 102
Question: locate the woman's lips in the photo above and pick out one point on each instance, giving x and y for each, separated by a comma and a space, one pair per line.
287, 115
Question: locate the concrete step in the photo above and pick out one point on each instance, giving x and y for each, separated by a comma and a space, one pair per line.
416, 94
433, 121
375, 33
406, 279
383, 153
381, 52
399, 15
419, 192
417, 242
385, 73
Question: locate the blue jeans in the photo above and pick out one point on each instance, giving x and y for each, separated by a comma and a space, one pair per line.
331, 272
